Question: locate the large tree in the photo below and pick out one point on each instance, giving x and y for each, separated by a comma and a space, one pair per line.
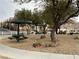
60, 11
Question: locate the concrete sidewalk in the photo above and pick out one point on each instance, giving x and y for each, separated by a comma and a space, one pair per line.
23, 54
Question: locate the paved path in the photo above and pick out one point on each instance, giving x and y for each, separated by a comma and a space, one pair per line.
22, 54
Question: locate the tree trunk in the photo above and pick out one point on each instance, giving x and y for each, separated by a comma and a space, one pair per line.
44, 32
59, 30
56, 30
53, 35
36, 28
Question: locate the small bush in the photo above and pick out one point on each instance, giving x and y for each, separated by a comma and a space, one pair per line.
71, 33
50, 45
76, 37
36, 45
42, 37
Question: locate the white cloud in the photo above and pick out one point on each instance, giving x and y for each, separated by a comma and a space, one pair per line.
8, 7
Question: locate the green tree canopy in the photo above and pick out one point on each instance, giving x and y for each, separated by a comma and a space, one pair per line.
35, 16
23, 14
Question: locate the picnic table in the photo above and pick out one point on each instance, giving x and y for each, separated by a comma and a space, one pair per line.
19, 37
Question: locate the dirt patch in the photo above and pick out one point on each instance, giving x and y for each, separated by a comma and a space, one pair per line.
67, 44
2, 57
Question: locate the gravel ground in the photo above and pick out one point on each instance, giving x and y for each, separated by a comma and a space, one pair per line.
67, 44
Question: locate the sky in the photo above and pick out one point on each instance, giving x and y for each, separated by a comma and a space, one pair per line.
8, 7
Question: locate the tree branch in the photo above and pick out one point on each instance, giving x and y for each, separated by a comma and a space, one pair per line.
61, 23
69, 3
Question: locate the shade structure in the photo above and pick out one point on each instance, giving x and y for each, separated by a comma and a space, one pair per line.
21, 21
18, 22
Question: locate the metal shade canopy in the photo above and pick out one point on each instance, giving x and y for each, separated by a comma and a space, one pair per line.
18, 22
21, 22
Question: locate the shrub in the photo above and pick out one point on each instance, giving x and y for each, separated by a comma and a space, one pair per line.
36, 45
